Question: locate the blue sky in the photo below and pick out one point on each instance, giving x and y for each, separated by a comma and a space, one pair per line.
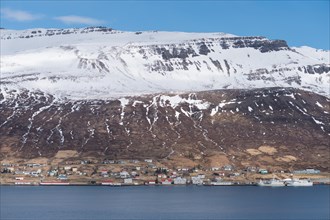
297, 22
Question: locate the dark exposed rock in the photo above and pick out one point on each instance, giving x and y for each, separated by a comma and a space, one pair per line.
52, 32
159, 66
227, 66
262, 45
322, 69
261, 74
203, 49
310, 69
175, 52
293, 79
217, 64
224, 45
317, 69
184, 51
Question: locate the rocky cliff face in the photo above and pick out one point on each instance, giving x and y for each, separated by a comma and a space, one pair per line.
37, 33
192, 125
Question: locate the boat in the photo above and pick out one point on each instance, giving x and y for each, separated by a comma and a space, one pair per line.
116, 184
221, 183
107, 183
110, 183
54, 183
298, 182
272, 182
22, 183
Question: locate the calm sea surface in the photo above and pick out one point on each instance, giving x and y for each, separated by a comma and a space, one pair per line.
167, 202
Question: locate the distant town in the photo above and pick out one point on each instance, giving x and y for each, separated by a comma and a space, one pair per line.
145, 172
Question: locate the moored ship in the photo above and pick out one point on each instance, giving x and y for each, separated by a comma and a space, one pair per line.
272, 182
54, 183
298, 182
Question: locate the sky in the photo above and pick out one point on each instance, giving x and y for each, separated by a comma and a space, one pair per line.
300, 23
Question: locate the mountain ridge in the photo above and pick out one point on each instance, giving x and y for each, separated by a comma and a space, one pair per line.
101, 62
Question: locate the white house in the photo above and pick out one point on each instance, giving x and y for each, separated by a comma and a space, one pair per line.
180, 181
104, 172
128, 181
196, 180
166, 181
124, 174
228, 167
67, 168
201, 176
62, 177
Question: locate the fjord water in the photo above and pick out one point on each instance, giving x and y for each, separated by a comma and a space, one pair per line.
167, 202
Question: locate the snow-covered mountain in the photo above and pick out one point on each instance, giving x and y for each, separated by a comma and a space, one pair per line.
101, 63
85, 90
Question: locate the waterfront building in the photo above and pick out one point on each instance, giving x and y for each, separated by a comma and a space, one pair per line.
180, 181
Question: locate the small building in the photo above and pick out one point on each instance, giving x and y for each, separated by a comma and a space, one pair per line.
180, 181
124, 174
228, 168
7, 165
19, 178
196, 180
134, 173
151, 182
53, 173
74, 169
152, 166
34, 173
67, 168
183, 169
173, 176
161, 176
215, 168
148, 160
104, 172
251, 169
201, 176
128, 181
11, 169
235, 174
307, 171
263, 171
33, 165
62, 177
166, 181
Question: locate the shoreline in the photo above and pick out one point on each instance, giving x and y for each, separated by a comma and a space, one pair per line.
154, 185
